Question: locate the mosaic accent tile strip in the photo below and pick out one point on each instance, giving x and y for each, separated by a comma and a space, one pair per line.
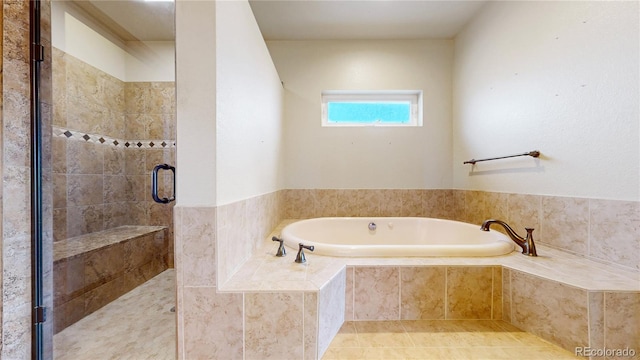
106, 140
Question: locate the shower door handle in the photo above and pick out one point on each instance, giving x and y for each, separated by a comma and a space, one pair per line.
154, 184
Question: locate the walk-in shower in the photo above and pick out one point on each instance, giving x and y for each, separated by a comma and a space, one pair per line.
113, 114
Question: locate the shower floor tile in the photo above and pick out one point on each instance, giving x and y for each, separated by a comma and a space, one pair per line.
138, 325
439, 339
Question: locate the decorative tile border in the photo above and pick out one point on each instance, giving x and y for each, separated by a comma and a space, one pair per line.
107, 140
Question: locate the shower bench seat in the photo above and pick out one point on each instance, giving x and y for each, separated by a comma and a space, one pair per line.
92, 270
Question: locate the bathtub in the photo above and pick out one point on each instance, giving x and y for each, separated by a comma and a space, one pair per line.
395, 237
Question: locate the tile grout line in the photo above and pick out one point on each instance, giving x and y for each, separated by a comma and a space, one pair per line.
244, 328
604, 320
446, 295
400, 293
493, 279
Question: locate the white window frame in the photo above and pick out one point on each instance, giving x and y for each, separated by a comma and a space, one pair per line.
412, 96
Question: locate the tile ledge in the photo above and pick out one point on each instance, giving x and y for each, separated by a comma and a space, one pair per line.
263, 272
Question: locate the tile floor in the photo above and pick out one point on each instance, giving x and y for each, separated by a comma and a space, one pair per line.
440, 339
138, 325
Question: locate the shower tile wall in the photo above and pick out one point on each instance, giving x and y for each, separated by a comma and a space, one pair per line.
108, 136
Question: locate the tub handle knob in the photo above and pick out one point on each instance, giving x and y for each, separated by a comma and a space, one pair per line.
372, 226
300, 258
281, 251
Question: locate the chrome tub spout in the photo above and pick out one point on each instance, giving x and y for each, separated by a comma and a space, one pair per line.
526, 243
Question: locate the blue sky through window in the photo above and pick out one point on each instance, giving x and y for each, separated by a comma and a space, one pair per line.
369, 112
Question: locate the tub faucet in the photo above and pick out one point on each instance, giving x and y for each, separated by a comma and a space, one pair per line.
300, 258
527, 244
281, 251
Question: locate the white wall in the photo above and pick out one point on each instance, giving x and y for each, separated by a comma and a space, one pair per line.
75, 38
249, 108
134, 61
366, 157
150, 61
559, 77
196, 103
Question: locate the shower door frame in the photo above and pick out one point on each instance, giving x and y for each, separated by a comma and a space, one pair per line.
37, 271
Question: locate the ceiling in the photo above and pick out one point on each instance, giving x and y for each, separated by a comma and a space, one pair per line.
299, 19
358, 19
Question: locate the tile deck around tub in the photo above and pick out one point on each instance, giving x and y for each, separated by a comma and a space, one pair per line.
266, 272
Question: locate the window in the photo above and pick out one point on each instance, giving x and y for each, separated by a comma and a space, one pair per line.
372, 108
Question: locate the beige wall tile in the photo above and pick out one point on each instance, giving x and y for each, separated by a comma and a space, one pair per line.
103, 265
114, 160
348, 202
197, 242
376, 293
16, 278
422, 293
412, 202
234, 242
553, 311
615, 232
115, 189
496, 310
331, 308
300, 203
349, 293
469, 291
496, 206
433, 204
16, 329
103, 294
596, 320
506, 295
370, 202
622, 321
475, 207
84, 219
311, 330
59, 224
565, 224
391, 203
59, 86
273, 325
212, 324
457, 205
84, 190
135, 162
524, 211
59, 155
326, 202
16, 104
135, 95
60, 191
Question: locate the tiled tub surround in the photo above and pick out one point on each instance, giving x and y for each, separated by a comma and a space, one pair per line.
222, 265
563, 298
241, 227
108, 136
94, 269
602, 230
